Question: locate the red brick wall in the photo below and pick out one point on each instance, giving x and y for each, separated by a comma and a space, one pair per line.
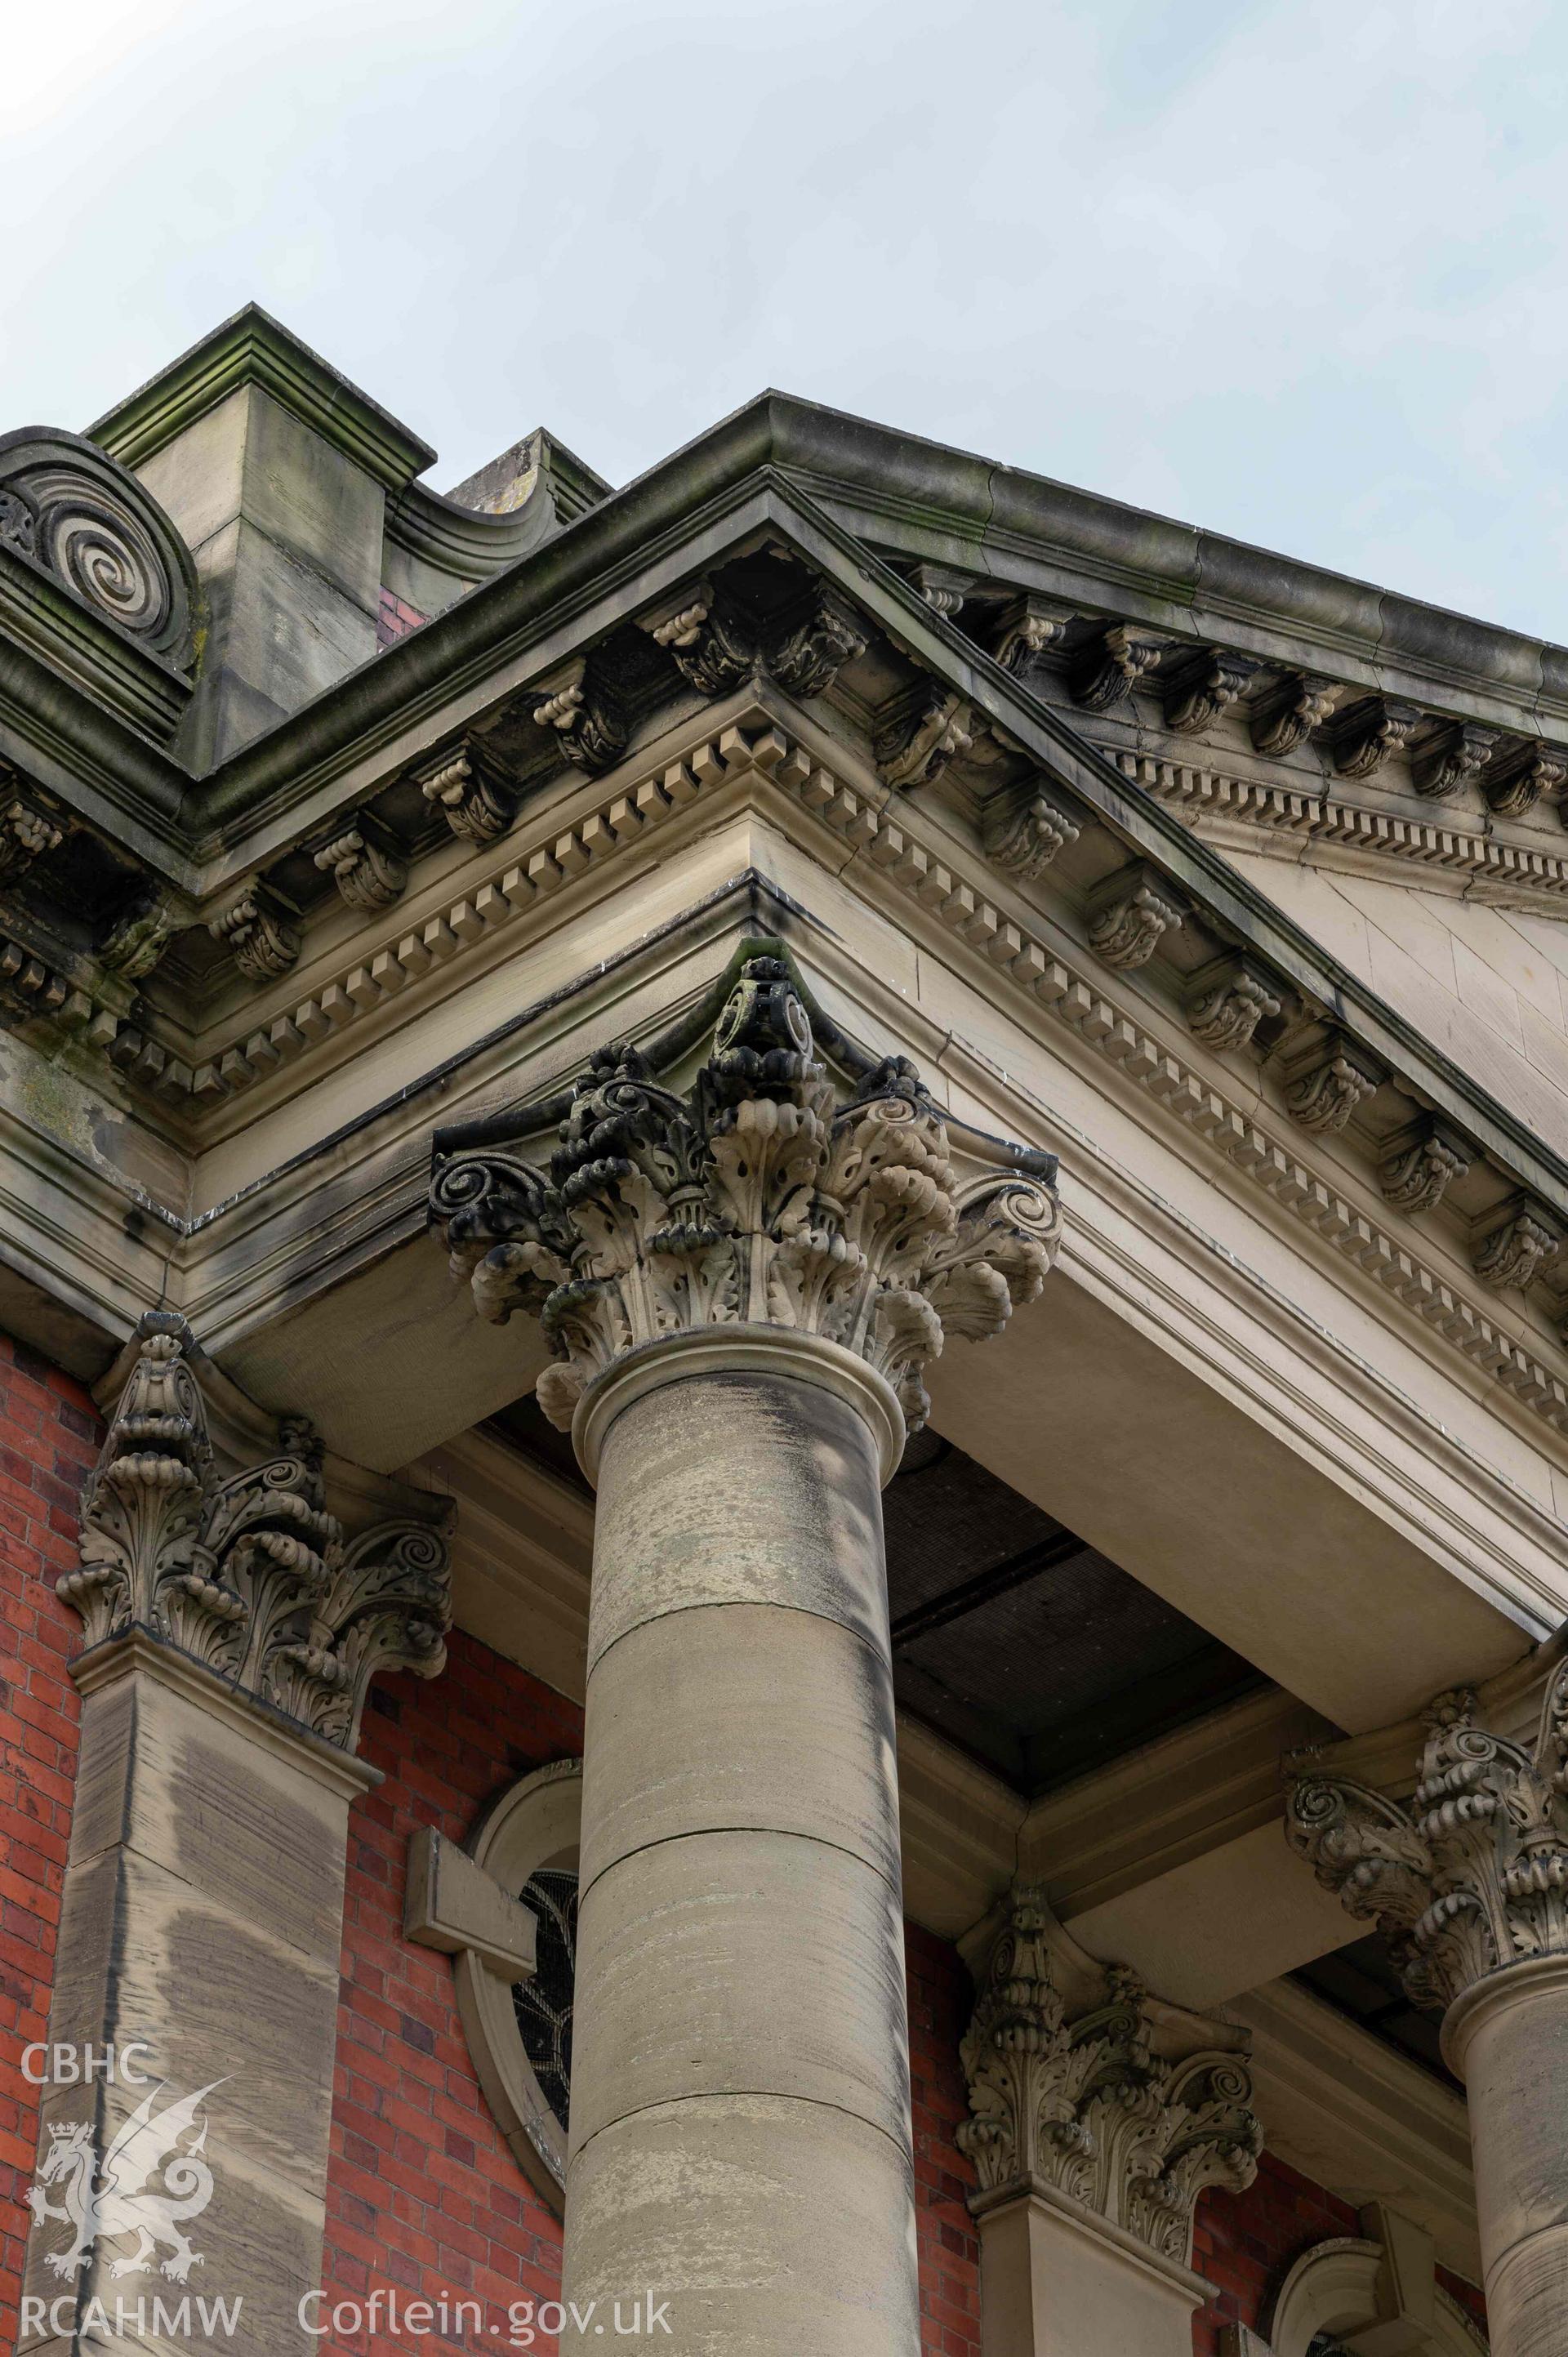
395, 619
1246, 2244
940, 1998
423, 2196
49, 1436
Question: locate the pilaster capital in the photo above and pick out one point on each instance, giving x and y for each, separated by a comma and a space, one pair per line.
249, 1574
755, 1200
1081, 2083
1469, 1877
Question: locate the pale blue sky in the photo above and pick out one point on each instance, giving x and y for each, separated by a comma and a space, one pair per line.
1297, 272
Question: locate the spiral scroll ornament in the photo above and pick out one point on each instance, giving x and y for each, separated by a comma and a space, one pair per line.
1470, 1875
70, 509
1080, 2082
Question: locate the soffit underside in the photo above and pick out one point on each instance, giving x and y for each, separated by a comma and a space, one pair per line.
1024, 1647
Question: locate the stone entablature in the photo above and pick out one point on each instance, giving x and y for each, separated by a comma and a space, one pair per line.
250, 1575
1081, 2083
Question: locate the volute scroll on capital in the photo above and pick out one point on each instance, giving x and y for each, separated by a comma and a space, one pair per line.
251, 1575
756, 1199
1470, 1875
1082, 2083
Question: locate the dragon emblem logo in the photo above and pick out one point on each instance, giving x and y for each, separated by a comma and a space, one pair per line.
115, 2198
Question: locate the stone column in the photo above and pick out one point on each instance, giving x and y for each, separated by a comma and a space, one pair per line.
232, 1630
742, 1284
1099, 2115
1468, 1882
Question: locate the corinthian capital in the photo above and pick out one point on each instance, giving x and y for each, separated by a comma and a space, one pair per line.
1081, 2082
251, 1575
753, 1199
1471, 1873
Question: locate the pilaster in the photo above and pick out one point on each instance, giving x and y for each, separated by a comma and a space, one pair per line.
1098, 2115
233, 1625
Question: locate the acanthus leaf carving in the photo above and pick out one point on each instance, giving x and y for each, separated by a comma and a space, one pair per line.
1471, 1873
1112, 663
1452, 756
1080, 2081
1517, 1246
1025, 630
716, 643
921, 738
816, 643
1025, 831
1517, 775
368, 873
1129, 915
459, 785
258, 932
753, 1200
1366, 732
1201, 689
590, 725
1287, 713
251, 1574
1324, 1089
139, 936
709, 645
1227, 999
1417, 1172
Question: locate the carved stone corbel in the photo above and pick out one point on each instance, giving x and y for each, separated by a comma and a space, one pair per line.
1517, 775
1198, 691
1080, 2082
458, 784
1112, 663
1324, 1089
249, 1576
138, 939
709, 645
1227, 999
1130, 913
816, 643
1024, 830
27, 833
1025, 629
941, 588
1368, 730
364, 865
257, 930
716, 645
1450, 757
1288, 712
923, 736
1423, 1161
1514, 1246
588, 721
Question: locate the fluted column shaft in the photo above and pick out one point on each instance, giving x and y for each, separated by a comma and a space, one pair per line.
740, 2096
